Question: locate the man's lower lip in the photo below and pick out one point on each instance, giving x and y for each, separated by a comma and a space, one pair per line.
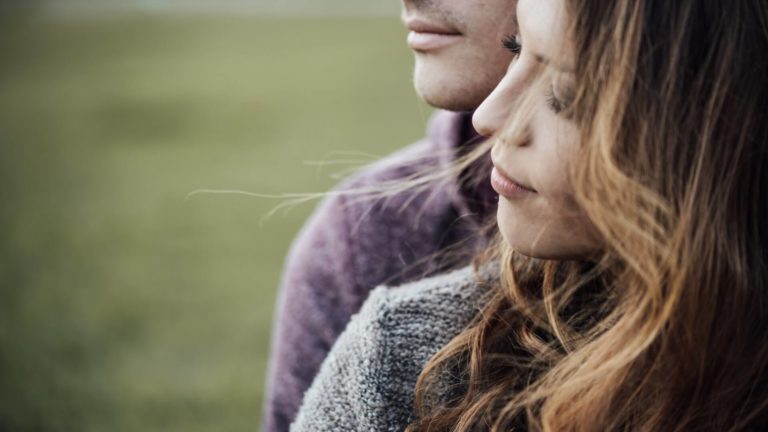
418, 41
506, 187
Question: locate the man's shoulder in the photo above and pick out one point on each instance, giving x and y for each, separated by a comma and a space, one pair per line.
382, 227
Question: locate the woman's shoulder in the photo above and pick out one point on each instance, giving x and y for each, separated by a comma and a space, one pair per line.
411, 323
451, 299
407, 325
367, 382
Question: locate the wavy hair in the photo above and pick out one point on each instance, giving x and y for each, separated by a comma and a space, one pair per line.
668, 328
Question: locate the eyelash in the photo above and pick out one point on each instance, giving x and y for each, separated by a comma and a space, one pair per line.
512, 44
555, 104
558, 106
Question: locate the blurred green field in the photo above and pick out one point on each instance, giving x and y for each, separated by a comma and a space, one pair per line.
125, 306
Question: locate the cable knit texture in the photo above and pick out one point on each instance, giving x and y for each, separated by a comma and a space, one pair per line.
367, 381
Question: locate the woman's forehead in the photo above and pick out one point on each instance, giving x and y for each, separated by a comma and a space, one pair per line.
543, 27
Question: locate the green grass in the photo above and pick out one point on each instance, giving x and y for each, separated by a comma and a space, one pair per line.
125, 306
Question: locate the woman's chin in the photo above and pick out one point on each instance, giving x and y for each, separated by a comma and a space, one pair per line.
529, 237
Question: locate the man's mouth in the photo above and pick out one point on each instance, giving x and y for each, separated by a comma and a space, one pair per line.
426, 35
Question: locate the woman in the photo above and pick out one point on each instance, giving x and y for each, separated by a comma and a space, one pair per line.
631, 162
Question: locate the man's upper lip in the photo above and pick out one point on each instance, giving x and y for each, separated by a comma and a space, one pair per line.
512, 179
421, 25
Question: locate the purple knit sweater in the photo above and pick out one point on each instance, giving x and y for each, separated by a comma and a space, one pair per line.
351, 244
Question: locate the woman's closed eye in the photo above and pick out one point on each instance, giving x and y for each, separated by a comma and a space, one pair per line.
558, 102
556, 99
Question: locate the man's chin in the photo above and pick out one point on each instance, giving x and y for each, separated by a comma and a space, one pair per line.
447, 88
448, 98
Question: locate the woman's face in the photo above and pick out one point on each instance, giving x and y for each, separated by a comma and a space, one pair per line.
537, 215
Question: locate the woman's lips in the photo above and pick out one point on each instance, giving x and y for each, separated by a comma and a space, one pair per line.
507, 187
425, 35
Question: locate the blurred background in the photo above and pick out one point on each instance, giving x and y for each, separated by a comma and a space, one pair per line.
125, 304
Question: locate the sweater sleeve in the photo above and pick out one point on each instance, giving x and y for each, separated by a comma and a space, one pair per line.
318, 294
347, 394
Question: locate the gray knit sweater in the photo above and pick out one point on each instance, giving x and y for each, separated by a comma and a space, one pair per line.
367, 381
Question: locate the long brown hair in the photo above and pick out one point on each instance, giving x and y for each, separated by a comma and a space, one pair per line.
668, 329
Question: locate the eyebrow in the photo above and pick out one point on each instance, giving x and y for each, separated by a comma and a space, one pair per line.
545, 61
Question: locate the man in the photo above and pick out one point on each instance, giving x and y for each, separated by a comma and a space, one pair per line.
351, 245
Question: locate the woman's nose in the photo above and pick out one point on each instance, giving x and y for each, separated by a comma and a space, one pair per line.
491, 115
